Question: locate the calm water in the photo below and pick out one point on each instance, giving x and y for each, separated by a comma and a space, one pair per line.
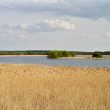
52, 62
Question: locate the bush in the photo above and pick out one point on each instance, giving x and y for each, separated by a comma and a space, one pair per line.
65, 54
58, 54
72, 54
97, 55
53, 54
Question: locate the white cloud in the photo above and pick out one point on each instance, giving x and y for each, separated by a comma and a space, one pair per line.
43, 26
108, 34
60, 24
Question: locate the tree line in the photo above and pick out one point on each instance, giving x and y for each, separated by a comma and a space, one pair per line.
27, 52
55, 53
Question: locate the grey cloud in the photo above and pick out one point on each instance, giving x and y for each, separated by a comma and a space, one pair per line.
79, 8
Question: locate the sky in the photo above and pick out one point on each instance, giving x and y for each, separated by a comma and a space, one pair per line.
79, 25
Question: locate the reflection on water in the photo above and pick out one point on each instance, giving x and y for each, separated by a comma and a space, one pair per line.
52, 62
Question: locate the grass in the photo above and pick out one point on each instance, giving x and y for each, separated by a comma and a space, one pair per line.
37, 87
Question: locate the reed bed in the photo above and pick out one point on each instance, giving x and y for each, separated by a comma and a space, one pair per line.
38, 87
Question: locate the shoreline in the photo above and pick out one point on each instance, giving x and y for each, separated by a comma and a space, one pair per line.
78, 57
87, 57
55, 66
20, 55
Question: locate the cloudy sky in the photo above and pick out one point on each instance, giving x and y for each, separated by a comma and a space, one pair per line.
82, 25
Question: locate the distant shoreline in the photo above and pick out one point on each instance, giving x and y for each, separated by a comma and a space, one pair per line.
20, 55
78, 57
87, 57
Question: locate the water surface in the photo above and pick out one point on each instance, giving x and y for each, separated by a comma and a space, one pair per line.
52, 62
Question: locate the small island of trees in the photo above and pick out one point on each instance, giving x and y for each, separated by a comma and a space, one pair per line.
59, 54
97, 55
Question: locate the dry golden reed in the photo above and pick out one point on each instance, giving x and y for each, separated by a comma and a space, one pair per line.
38, 87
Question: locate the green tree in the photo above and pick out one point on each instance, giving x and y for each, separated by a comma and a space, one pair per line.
53, 54
72, 54
59, 53
65, 54
97, 55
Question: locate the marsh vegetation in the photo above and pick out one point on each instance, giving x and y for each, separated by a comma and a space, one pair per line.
37, 87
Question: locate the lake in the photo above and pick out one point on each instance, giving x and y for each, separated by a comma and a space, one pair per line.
52, 62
